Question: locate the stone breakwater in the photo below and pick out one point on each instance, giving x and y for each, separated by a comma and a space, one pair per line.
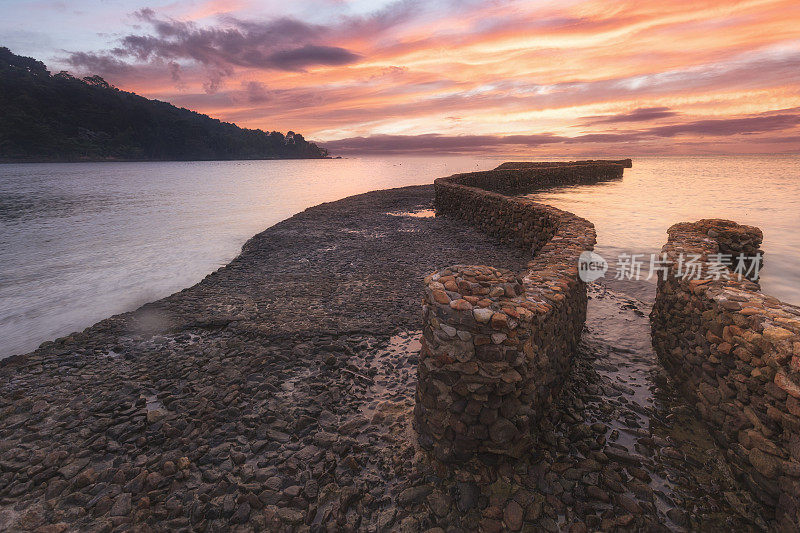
624, 163
736, 352
496, 347
278, 395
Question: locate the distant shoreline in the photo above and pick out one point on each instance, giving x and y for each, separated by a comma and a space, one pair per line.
109, 160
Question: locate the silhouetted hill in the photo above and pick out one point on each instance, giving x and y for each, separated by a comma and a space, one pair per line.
58, 117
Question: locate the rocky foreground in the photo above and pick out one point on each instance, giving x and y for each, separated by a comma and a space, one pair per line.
277, 395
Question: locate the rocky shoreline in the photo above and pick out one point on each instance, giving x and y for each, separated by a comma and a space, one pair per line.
277, 395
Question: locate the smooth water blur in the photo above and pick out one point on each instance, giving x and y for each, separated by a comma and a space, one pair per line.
83, 241
632, 215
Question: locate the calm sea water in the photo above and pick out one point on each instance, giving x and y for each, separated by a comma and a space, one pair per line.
81, 242
632, 215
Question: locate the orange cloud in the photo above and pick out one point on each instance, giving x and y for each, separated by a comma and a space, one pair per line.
687, 75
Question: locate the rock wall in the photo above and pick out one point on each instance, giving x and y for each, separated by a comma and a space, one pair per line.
736, 353
497, 346
625, 163
507, 180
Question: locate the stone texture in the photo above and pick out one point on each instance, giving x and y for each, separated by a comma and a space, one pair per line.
731, 348
520, 331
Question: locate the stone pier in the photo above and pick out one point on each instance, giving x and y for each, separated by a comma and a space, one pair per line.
735, 353
497, 346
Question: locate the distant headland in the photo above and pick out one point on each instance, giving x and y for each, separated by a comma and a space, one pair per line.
61, 118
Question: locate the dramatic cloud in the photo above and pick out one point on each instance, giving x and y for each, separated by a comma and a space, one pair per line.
299, 58
283, 44
104, 63
256, 92
472, 76
433, 143
730, 126
643, 114
466, 144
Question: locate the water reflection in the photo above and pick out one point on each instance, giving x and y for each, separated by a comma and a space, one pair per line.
633, 214
81, 242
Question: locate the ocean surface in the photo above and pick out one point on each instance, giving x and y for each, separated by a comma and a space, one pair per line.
80, 242
632, 215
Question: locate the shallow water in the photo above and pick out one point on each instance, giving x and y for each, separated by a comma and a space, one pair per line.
83, 241
648, 419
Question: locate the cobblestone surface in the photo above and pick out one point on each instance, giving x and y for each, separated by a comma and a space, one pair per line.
277, 395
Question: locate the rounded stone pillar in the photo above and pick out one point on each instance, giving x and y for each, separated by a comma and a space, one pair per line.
475, 388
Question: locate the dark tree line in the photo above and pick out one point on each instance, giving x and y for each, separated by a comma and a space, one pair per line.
63, 118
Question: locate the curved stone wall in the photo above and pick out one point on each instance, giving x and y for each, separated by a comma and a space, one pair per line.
625, 163
735, 352
497, 346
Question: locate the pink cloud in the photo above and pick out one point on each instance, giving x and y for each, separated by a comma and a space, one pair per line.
634, 72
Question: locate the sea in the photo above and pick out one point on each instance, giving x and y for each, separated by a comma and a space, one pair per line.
82, 241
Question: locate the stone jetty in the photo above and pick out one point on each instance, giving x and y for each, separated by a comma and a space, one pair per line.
496, 348
735, 352
282, 392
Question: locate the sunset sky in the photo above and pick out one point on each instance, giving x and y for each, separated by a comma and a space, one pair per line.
441, 76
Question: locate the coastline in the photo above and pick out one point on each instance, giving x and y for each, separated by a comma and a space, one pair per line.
179, 311
111, 160
278, 391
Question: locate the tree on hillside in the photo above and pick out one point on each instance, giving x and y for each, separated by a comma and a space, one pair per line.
63, 118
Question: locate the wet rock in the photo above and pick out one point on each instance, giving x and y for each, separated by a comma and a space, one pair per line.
249, 419
439, 503
290, 516
122, 505
629, 504
503, 430
169, 468
622, 456
597, 493
386, 518
513, 515
413, 495
468, 494
678, 516
242, 513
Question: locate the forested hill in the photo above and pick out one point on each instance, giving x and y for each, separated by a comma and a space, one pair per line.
59, 117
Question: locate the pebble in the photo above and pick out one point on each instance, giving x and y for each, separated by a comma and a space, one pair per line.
413, 495
264, 403
513, 516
